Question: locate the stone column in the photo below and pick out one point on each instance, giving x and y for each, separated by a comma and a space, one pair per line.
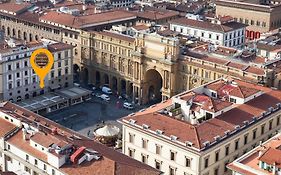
119, 88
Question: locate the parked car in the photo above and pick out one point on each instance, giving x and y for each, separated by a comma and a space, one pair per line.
106, 90
97, 95
128, 105
76, 84
105, 97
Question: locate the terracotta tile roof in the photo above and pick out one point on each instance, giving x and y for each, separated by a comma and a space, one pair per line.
18, 141
141, 27
234, 90
56, 47
112, 162
87, 20
6, 127
208, 25
269, 152
206, 131
209, 104
240, 170
255, 70
116, 35
14, 7
156, 14
47, 140
271, 156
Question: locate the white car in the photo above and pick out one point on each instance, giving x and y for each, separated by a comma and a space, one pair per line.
106, 90
105, 97
128, 105
76, 84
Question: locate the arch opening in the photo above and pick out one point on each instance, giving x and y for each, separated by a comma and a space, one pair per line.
153, 88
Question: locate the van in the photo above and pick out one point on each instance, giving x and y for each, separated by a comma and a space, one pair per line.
106, 90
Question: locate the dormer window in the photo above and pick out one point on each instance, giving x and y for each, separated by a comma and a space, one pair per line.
232, 100
214, 94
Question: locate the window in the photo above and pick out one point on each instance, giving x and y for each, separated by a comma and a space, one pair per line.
278, 120
258, 23
245, 139
158, 149
18, 65
59, 64
9, 67
18, 74
144, 158
236, 144
270, 124
263, 24
225, 166
172, 155
254, 134
218, 37
27, 169
252, 22
217, 156
53, 172
226, 150
206, 162
262, 129
35, 162
246, 21
210, 35
232, 100
187, 162
59, 56
59, 73
144, 143
172, 171
66, 71
202, 34
241, 20
131, 153
25, 72
10, 77
9, 147
157, 165
25, 64
216, 172
214, 94
45, 167
26, 157
131, 138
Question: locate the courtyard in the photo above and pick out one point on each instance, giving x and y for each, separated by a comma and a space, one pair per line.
87, 116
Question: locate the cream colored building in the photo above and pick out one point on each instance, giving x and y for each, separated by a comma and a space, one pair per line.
143, 67
19, 21
20, 82
200, 131
34, 145
266, 14
109, 61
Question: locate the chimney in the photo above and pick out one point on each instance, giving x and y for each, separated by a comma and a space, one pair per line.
84, 7
274, 168
24, 134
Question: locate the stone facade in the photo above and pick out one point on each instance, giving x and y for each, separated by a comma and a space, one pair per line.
266, 18
143, 68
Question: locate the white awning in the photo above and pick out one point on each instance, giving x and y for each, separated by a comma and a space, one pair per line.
107, 130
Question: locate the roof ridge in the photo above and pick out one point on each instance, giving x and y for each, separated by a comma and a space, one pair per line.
241, 91
197, 136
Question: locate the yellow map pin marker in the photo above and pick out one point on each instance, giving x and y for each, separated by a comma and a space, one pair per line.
41, 61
